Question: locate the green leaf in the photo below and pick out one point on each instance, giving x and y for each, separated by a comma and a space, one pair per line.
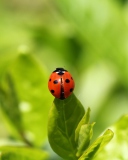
27, 98
22, 153
97, 145
84, 120
85, 136
63, 120
83, 133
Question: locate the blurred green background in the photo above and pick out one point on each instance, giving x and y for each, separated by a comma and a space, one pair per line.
89, 38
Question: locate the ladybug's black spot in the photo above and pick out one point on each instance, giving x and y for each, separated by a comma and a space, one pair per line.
67, 80
71, 78
55, 82
71, 89
52, 91
49, 79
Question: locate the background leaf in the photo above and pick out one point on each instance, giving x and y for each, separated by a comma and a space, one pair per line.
63, 119
117, 149
22, 153
9, 100
27, 102
97, 145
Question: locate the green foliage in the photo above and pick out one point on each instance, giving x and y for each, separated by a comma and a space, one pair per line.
97, 145
85, 120
9, 100
23, 99
85, 136
70, 132
87, 37
21, 153
63, 120
117, 149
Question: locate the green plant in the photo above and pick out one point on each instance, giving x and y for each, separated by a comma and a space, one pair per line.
25, 103
70, 131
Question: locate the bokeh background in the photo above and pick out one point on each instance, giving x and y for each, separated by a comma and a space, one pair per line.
89, 38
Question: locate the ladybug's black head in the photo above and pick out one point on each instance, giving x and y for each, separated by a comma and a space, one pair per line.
60, 71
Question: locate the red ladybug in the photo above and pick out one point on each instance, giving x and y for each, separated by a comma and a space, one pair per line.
61, 83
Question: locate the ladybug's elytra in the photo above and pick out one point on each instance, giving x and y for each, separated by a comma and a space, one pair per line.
61, 83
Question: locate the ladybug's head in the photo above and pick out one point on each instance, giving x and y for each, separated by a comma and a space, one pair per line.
60, 71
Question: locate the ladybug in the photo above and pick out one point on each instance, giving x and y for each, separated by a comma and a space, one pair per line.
61, 83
